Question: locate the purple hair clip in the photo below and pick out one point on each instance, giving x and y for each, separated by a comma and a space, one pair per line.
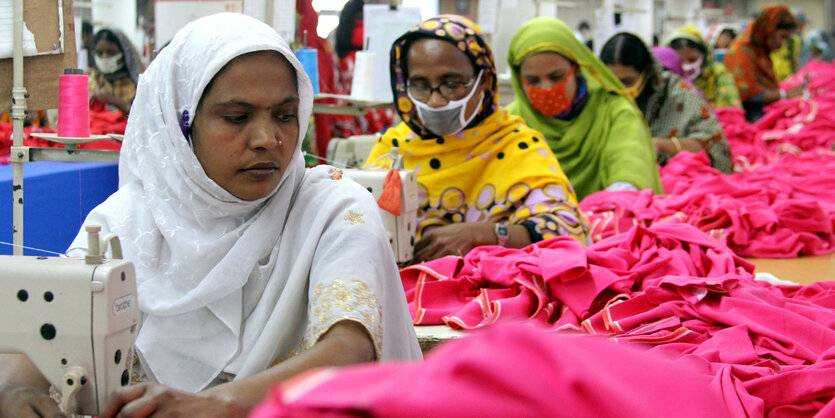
184, 126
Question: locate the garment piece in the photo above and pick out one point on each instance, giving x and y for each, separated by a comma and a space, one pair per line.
233, 286
509, 370
714, 81
608, 141
497, 169
673, 108
670, 288
748, 56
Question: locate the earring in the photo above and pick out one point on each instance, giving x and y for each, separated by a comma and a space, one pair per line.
185, 127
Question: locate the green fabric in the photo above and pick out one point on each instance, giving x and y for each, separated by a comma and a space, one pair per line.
608, 142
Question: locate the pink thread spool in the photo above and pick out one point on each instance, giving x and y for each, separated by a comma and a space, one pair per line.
73, 105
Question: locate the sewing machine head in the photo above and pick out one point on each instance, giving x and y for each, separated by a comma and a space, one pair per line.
76, 320
401, 229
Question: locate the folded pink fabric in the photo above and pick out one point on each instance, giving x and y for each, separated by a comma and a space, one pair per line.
670, 287
508, 371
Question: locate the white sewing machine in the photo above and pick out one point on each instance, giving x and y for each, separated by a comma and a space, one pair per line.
401, 229
75, 318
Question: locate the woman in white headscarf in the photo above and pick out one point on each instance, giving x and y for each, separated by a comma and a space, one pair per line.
249, 267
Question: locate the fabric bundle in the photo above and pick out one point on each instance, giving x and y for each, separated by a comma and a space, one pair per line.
669, 287
548, 375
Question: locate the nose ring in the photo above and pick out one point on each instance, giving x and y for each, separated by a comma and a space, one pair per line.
280, 143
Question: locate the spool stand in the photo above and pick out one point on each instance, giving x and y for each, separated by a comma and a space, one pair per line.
21, 154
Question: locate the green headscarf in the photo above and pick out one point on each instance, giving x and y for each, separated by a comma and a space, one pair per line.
609, 141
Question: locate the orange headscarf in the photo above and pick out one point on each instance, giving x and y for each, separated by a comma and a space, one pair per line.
748, 59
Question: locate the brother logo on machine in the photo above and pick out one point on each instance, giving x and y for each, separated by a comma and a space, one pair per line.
123, 304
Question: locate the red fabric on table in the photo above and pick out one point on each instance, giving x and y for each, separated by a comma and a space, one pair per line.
102, 122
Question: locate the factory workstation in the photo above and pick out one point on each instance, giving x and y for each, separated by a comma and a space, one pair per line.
417, 208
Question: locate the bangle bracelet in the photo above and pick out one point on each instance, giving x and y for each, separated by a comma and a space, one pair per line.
782, 94
677, 144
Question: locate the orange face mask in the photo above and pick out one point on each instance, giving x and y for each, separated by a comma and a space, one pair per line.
553, 100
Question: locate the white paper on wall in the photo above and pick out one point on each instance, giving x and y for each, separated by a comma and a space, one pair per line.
7, 32
284, 19
488, 15
171, 15
382, 26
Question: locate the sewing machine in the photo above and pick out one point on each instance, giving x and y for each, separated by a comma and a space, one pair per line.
350, 152
75, 318
403, 228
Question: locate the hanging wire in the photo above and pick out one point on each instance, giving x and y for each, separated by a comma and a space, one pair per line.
33, 248
338, 164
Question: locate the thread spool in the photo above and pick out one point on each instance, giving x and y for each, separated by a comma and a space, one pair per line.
310, 62
362, 85
73, 104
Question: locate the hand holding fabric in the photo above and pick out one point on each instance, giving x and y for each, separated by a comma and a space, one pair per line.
103, 96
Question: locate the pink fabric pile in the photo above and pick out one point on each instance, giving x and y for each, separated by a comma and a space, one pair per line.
779, 202
508, 371
771, 349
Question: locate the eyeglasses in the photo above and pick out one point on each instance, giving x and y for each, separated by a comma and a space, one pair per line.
449, 90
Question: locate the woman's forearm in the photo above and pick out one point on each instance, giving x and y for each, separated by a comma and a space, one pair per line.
16, 370
347, 342
674, 146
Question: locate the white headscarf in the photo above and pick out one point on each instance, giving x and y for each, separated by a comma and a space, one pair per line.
221, 282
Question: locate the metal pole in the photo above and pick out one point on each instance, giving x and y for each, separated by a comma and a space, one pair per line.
18, 115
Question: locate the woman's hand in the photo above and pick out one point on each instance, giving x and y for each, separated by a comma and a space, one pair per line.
104, 96
795, 91
454, 239
110, 99
152, 399
27, 402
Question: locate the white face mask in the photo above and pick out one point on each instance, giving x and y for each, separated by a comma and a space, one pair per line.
448, 119
693, 70
109, 65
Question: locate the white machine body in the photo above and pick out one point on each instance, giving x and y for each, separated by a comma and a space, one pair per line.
75, 320
401, 229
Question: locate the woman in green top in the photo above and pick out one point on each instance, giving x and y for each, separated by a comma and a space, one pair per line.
562, 90
709, 76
